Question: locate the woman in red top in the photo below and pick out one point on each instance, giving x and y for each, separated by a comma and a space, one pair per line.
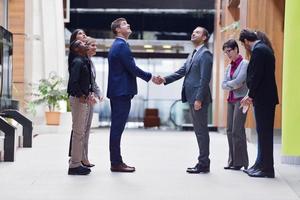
235, 82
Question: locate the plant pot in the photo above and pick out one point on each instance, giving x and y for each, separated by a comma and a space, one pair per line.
52, 118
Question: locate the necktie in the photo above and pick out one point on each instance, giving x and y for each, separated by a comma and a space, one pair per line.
193, 55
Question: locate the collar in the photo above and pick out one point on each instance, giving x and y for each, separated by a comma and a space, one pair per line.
199, 47
122, 38
237, 61
254, 44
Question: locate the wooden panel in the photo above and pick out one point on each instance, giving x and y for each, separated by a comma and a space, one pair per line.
16, 12
268, 16
18, 58
223, 31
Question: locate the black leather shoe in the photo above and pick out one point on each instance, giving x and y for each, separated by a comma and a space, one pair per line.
89, 165
198, 169
122, 168
262, 174
79, 171
234, 167
250, 170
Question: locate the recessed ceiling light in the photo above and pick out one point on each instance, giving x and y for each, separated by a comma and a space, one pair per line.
167, 46
148, 46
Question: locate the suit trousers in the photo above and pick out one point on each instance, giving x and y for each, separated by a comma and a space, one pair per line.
236, 135
79, 118
120, 107
264, 117
202, 133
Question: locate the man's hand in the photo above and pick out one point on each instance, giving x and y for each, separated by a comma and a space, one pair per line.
246, 101
158, 80
198, 105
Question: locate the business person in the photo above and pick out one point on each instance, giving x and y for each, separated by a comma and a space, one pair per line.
196, 91
263, 95
78, 91
95, 93
77, 34
122, 87
235, 82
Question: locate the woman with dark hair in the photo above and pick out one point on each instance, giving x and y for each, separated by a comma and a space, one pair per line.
77, 34
264, 38
235, 82
79, 85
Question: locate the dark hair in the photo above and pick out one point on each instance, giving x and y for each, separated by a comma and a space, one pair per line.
264, 38
232, 44
72, 39
116, 24
74, 35
205, 32
74, 45
247, 34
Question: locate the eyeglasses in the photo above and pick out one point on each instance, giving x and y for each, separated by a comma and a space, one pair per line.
228, 51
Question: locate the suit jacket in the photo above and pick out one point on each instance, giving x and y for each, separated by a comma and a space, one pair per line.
261, 76
237, 83
123, 70
80, 77
197, 75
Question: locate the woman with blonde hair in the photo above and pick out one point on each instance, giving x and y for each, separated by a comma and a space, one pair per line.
95, 93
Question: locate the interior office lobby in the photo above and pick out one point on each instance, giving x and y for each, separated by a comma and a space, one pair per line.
34, 44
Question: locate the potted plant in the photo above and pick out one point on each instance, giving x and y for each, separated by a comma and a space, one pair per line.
49, 91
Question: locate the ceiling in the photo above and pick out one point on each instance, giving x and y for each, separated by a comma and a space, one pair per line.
173, 4
149, 19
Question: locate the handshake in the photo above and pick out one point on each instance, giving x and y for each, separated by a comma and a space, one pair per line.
158, 80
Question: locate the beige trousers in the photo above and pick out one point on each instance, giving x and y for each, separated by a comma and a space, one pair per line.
80, 113
90, 113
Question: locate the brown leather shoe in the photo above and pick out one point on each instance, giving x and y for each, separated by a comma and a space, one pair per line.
122, 168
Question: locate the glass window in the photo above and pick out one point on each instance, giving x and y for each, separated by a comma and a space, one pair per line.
3, 13
149, 94
5, 64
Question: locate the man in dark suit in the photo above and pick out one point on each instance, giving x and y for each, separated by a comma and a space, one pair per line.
122, 87
263, 95
197, 72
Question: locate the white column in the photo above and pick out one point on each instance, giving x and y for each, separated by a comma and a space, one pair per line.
44, 45
53, 36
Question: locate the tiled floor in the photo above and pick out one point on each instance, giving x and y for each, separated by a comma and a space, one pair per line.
161, 158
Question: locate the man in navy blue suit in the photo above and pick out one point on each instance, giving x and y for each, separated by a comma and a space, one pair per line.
122, 87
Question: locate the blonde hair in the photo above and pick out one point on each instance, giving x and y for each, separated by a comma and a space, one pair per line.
90, 40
